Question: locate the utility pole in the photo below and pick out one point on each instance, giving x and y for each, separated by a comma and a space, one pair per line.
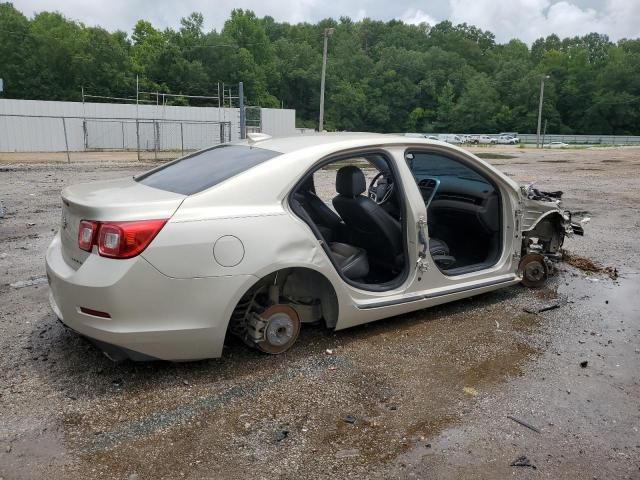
138, 116
243, 117
327, 33
540, 109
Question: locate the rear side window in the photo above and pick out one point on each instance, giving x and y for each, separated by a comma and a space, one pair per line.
202, 170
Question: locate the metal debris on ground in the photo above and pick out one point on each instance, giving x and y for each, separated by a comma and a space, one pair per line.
281, 435
522, 461
523, 423
349, 419
544, 308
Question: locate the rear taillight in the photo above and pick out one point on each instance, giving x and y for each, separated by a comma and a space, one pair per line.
87, 234
122, 239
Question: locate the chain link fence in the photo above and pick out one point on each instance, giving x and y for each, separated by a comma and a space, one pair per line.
149, 139
157, 139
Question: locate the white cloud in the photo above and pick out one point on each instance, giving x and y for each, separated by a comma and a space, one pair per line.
415, 16
523, 19
532, 19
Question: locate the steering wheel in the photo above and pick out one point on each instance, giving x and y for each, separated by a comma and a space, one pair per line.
381, 188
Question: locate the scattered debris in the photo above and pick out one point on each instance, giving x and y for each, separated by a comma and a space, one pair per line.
328, 351
29, 283
281, 435
584, 363
349, 419
347, 453
544, 308
1, 210
587, 265
523, 423
522, 461
470, 391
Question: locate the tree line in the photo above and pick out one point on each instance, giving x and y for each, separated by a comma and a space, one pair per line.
381, 76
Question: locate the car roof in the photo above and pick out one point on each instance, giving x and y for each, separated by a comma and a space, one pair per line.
302, 141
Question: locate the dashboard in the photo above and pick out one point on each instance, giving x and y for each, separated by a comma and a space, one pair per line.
451, 194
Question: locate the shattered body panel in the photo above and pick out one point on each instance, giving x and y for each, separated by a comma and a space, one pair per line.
545, 223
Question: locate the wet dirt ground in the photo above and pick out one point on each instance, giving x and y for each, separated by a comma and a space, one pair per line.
424, 395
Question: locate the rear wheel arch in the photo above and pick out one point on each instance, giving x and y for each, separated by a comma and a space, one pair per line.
300, 287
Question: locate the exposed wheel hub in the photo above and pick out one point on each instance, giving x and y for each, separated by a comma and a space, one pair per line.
281, 329
534, 270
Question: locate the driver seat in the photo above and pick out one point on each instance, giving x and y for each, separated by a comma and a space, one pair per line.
370, 226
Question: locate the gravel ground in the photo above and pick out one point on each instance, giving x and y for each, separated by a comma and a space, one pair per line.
424, 395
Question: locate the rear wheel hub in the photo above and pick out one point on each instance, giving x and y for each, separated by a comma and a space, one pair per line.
281, 329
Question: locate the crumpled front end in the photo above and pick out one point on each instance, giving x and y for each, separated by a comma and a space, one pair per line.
545, 224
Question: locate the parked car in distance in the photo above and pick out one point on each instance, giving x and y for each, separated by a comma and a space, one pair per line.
483, 140
556, 145
450, 138
259, 237
507, 140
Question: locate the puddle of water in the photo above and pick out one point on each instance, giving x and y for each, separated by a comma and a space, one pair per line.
506, 364
620, 296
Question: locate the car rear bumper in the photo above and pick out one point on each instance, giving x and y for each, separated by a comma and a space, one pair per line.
151, 315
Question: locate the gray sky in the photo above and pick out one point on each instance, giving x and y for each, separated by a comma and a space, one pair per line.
523, 19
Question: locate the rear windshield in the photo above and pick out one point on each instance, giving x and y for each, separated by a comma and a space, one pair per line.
202, 170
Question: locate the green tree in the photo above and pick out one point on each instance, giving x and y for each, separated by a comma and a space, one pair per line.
381, 76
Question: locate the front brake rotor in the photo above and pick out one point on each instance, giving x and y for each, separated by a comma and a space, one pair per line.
534, 270
281, 329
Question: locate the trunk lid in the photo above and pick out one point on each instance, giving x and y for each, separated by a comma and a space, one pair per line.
111, 200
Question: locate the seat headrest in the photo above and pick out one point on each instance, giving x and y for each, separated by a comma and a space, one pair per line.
350, 181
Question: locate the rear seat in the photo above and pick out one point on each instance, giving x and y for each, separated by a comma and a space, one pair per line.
352, 261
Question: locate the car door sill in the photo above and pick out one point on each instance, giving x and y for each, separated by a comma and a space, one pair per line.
423, 296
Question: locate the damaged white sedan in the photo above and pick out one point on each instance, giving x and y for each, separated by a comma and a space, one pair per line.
259, 237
